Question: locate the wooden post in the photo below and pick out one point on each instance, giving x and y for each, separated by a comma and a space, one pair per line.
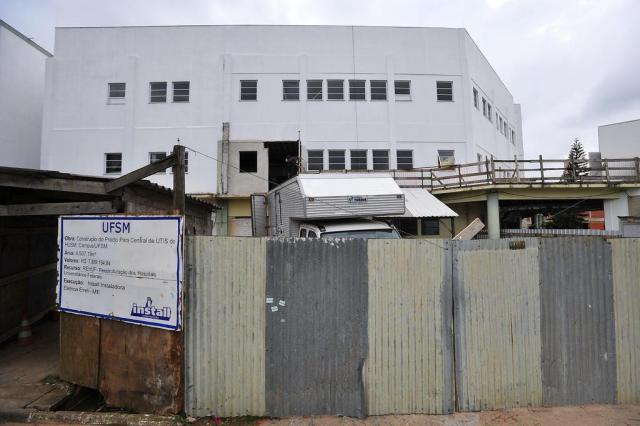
541, 171
431, 176
606, 168
422, 178
493, 171
178, 180
515, 158
637, 163
487, 166
459, 176
572, 164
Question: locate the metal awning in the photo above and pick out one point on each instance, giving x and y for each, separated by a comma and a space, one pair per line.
419, 202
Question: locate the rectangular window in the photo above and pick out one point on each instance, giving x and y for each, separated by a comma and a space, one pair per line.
402, 89
335, 90
356, 90
475, 98
444, 91
430, 226
380, 159
499, 124
506, 130
378, 90
358, 159
336, 159
154, 157
181, 91
314, 90
513, 137
113, 163
404, 159
248, 161
117, 90
315, 159
248, 90
158, 92
484, 107
290, 90
446, 157
489, 113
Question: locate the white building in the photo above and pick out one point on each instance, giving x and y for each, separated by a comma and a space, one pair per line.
22, 64
355, 98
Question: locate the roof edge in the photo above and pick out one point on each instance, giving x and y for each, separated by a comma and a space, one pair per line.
25, 38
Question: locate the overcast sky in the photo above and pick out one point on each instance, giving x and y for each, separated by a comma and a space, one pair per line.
572, 64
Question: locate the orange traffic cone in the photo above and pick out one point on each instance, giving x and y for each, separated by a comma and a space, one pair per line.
24, 335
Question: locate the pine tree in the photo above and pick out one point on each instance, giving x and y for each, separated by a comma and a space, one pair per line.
577, 164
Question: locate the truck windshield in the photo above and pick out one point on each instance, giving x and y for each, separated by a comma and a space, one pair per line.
365, 234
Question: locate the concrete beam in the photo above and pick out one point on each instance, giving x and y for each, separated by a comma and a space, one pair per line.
493, 216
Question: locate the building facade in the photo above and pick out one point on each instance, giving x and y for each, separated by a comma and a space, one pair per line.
22, 76
257, 104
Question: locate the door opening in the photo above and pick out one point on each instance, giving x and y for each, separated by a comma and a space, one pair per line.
283, 161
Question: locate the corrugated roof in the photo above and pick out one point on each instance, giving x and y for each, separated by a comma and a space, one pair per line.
419, 202
341, 184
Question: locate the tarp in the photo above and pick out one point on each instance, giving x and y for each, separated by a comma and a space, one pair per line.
341, 184
419, 202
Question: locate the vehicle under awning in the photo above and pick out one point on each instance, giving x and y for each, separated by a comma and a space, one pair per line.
419, 202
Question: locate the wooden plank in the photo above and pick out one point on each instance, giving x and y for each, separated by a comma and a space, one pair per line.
141, 173
51, 184
471, 230
26, 274
79, 349
56, 209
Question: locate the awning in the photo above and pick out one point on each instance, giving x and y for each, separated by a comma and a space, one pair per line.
419, 202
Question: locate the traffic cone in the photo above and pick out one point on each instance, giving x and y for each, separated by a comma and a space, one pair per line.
24, 335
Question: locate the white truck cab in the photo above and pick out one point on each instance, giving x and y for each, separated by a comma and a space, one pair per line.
353, 228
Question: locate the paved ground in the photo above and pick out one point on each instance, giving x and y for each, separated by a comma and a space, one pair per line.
25, 369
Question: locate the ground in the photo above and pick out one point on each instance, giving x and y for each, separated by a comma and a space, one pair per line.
29, 384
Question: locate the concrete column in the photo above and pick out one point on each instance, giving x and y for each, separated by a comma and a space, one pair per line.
493, 216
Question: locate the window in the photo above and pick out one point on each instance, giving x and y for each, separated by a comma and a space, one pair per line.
181, 91
336, 159
404, 159
312, 234
505, 131
158, 92
499, 124
402, 89
154, 157
358, 159
513, 136
444, 91
303, 233
489, 114
315, 159
446, 157
484, 107
356, 90
290, 90
113, 163
378, 90
475, 98
314, 90
248, 90
248, 161
380, 159
430, 226
335, 90
117, 90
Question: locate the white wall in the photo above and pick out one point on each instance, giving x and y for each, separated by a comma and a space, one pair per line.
613, 209
620, 140
79, 121
22, 71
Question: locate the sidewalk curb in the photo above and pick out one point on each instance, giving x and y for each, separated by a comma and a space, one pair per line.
76, 417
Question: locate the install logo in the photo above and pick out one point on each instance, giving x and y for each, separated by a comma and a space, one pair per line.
150, 311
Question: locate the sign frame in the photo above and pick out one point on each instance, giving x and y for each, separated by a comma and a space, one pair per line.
179, 268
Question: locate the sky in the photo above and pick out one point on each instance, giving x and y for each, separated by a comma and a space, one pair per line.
573, 65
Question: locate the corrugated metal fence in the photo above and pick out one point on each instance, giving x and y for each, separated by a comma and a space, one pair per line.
295, 327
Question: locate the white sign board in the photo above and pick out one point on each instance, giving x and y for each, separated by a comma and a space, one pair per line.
127, 268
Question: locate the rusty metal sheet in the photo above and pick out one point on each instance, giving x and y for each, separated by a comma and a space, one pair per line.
497, 324
79, 349
626, 296
577, 321
141, 367
225, 326
316, 315
409, 363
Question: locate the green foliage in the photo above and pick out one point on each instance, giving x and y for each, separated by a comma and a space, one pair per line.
577, 164
568, 219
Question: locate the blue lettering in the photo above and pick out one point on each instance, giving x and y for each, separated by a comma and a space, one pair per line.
116, 227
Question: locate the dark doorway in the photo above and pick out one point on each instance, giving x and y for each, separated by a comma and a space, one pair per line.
283, 161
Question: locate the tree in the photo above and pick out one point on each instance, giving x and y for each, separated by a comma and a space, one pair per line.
566, 219
577, 164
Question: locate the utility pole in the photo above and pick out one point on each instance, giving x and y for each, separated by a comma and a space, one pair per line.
178, 179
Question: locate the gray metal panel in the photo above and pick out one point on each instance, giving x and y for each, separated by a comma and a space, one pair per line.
577, 321
626, 296
336, 207
497, 324
225, 326
259, 226
285, 202
409, 366
316, 340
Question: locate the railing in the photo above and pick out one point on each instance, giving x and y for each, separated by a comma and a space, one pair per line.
539, 172
525, 233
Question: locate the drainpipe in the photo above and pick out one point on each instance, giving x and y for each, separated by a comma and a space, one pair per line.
493, 216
